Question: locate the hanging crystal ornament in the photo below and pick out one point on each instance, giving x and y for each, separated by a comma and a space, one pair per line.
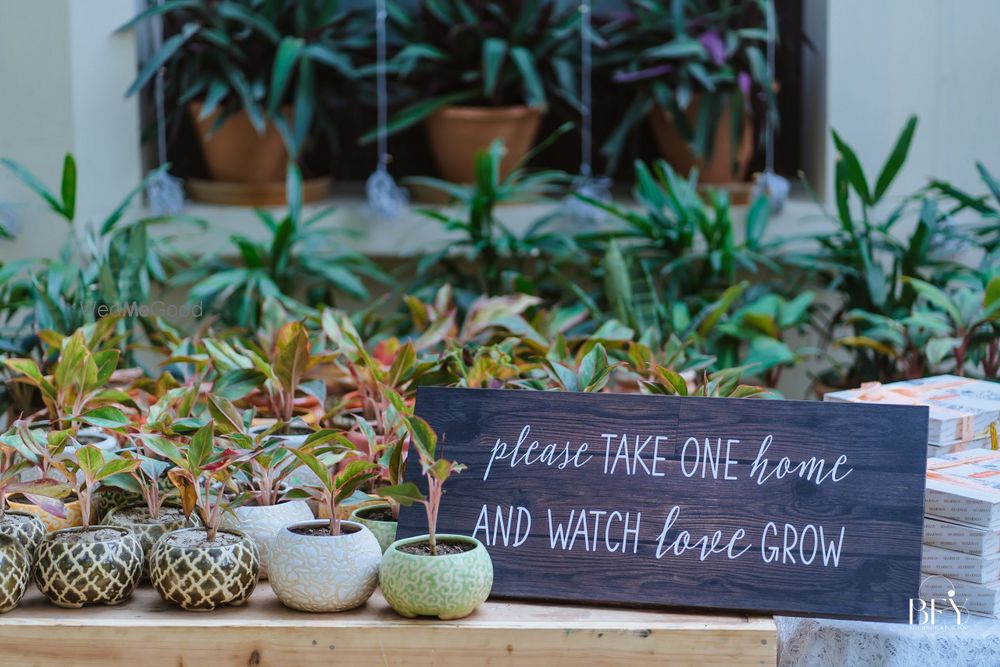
165, 192
585, 184
385, 198
769, 183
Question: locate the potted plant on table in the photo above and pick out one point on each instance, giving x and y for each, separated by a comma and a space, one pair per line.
263, 476
697, 71
447, 576
482, 71
25, 527
329, 564
151, 518
90, 564
254, 78
200, 569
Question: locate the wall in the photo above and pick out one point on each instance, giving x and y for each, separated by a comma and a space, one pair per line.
62, 79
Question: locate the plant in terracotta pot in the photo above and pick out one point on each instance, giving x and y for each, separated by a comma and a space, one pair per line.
254, 75
263, 476
447, 576
697, 70
328, 564
90, 564
151, 518
480, 72
226, 562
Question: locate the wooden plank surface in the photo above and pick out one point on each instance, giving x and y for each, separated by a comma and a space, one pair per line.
148, 633
799, 507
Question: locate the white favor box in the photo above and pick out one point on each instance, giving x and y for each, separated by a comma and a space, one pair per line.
957, 565
965, 487
961, 537
982, 599
961, 409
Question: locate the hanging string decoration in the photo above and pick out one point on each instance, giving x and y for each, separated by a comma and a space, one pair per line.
385, 199
165, 192
586, 184
769, 183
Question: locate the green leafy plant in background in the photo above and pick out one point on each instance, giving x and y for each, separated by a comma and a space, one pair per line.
486, 253
115, 263
678, 54
867, 265
262, 57
300, 263
485, 53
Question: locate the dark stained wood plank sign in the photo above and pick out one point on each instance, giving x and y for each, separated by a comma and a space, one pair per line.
799, 507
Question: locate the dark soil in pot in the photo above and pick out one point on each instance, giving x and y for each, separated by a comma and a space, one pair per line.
320, 531
376, 514
443, 548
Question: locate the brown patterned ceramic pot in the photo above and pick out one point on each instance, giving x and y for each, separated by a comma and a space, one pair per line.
138, 522
15, 570
73, 518
24, 527
100, 565
199, 576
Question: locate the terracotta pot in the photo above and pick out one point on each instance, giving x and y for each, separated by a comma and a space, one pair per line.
148, 530
75, 573
324, 572
15, 570
204, 576
236, 152
447, 586
716, 170
384, 531
456, 133
74, 515
24, 527
262, 522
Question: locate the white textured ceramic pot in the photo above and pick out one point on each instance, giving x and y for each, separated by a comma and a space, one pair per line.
262, 522
324, 572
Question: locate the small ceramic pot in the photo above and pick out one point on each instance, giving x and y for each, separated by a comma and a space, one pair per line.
324, 572
448, 587
74, 573
262, 523
203, 577
384, 531
74, 515
147, 530
26, 528
15, 570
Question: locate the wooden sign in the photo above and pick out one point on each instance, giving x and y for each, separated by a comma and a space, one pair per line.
796, 507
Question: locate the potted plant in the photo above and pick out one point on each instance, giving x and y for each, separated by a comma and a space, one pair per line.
150, 518
262, 476
25, 527
253, 77
481, 71
15, 570
46, 452
200, 569
328, 564
696, 70
90, 564
447, 576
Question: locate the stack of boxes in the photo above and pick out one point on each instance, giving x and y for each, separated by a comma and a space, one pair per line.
961, 550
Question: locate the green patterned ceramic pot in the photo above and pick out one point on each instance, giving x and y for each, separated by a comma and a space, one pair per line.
147, 530
384, 531
447, 586
100, 565
15, 570
198, 575
24, 527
